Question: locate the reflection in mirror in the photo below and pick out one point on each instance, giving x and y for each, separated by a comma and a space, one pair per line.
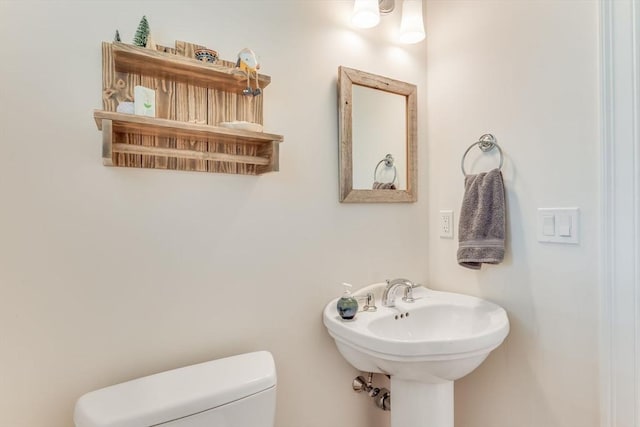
377, 138
379, 127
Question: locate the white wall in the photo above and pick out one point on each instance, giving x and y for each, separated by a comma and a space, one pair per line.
107, 274
526, 71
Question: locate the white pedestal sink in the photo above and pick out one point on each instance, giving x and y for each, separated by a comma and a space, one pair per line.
423, 346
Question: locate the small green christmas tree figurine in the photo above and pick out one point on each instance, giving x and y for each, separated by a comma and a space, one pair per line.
140, 39
117, 37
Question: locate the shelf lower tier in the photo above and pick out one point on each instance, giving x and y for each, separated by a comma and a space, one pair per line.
148, 142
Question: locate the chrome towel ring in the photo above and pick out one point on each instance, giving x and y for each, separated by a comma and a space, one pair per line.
487, 142
388, 162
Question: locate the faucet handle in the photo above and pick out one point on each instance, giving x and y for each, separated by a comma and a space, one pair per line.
408, 294
370, 302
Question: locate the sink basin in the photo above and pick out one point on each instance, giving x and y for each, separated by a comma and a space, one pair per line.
424, 346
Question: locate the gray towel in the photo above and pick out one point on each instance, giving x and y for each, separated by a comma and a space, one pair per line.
482, 220
384, 186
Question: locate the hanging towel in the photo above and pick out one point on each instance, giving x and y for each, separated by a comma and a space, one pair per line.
384, 186
482, 220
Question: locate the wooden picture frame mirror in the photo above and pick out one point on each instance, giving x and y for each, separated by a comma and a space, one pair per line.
378, 138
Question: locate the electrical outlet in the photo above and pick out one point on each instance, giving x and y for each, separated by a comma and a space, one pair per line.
446, 224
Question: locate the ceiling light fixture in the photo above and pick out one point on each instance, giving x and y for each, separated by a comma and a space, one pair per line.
411, 26
366, 14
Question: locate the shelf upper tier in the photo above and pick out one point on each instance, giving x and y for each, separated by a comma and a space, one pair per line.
134, 59
131, 123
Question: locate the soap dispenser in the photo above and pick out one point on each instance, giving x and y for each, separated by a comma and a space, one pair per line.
347, 304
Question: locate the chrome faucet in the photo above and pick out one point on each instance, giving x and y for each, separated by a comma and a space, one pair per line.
389, 295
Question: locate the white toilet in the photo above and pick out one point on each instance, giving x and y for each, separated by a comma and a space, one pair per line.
238, 391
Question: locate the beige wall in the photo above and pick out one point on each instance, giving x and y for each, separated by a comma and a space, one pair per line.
108, 274
526, 71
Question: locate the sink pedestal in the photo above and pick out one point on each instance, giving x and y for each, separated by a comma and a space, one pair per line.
415, 404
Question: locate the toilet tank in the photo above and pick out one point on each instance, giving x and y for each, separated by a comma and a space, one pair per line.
237, 391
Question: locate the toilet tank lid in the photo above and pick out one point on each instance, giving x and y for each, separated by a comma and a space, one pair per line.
178, 393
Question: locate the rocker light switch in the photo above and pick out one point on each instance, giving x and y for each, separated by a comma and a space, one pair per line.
548, 225
564, 225
558, 225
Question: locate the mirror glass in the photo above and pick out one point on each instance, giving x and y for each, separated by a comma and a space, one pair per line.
379, 127
378, 133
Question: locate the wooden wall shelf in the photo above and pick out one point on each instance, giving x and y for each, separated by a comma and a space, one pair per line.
192, 98
133, 59
131, 123
117, 123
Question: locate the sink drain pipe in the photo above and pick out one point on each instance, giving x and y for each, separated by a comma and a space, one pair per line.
381, 396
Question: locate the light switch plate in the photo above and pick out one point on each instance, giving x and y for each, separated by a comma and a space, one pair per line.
558, 225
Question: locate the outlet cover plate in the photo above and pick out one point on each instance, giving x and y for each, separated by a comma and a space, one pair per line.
446, 224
